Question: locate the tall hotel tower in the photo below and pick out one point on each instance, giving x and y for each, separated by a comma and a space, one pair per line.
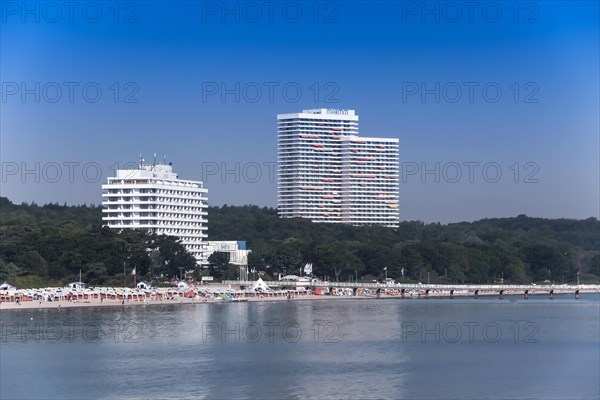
154, 199
326, 173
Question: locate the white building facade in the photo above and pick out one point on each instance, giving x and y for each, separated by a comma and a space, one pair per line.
154, 199
326, 173
237, 251
370, 179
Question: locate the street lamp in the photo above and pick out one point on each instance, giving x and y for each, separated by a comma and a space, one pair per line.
127, 259
428, 278
356, 276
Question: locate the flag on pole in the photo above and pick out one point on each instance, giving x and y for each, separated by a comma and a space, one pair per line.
402, 271
385, 269
133, 271
308, 269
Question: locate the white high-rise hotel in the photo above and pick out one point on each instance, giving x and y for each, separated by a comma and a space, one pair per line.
327, 173
154, 199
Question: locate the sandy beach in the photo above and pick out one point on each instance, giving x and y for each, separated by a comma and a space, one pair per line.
95, 302
131, 303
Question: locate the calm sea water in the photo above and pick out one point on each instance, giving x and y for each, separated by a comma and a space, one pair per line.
414, 349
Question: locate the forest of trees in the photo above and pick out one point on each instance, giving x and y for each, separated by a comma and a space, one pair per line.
519, 249
50, 244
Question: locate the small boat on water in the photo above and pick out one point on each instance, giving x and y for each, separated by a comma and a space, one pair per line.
238, 300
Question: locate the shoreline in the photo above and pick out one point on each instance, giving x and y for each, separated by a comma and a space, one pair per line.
64, 304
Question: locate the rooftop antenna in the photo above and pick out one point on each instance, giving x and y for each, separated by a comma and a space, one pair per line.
164, 159
154, 162
141, 161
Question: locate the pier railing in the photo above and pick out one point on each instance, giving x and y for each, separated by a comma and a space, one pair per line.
419, 286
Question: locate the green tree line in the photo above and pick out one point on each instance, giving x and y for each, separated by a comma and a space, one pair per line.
516, 250
50, 244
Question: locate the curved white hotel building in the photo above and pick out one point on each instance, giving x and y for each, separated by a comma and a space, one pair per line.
154, 199
327, 173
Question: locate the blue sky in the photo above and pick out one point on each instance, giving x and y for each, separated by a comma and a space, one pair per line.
508, 94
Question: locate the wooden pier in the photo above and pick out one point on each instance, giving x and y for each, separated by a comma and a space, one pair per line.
474, 290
